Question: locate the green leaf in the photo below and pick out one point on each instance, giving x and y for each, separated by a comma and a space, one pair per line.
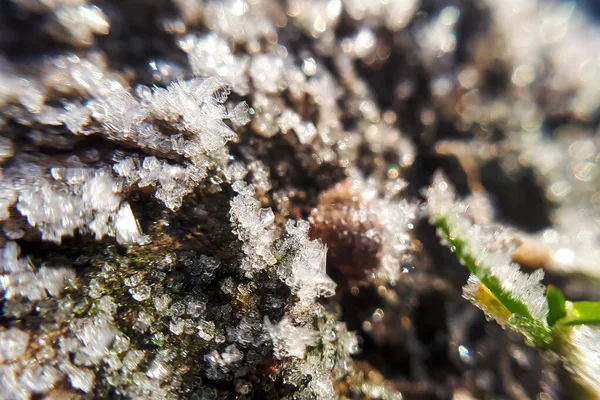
583, 313
557, 306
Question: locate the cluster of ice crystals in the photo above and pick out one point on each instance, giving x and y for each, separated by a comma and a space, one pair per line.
193, 107
393, 220
63, 200
83, 343
60, 200
210, 55
490, 246
172, 181
20, 279
254, 226
289, 340
305, 266
361, 213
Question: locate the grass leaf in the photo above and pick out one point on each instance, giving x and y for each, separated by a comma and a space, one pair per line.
557, 306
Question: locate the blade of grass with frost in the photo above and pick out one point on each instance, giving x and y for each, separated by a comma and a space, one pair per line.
515, 299
510, 297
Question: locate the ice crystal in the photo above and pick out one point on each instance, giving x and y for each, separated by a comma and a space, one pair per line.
305, 264
289, 340
13, 344
63, 200
211, 55
20, 279
172, 182
253, 225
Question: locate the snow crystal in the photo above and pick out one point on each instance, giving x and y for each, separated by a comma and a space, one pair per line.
80, 378
96, 335
206, 330
141, 292
132, 359
39, 379
158, 369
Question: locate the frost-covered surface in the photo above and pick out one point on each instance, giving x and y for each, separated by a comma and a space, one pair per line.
221, 198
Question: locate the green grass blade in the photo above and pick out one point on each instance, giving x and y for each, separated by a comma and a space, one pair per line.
557, 306
583, 313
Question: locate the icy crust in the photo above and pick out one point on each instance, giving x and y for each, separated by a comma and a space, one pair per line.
486, 248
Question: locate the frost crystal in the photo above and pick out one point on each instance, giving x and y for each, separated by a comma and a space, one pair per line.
19, 279
355, 213
289, 340
253, 226
67, 199
211, 55
305, 266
